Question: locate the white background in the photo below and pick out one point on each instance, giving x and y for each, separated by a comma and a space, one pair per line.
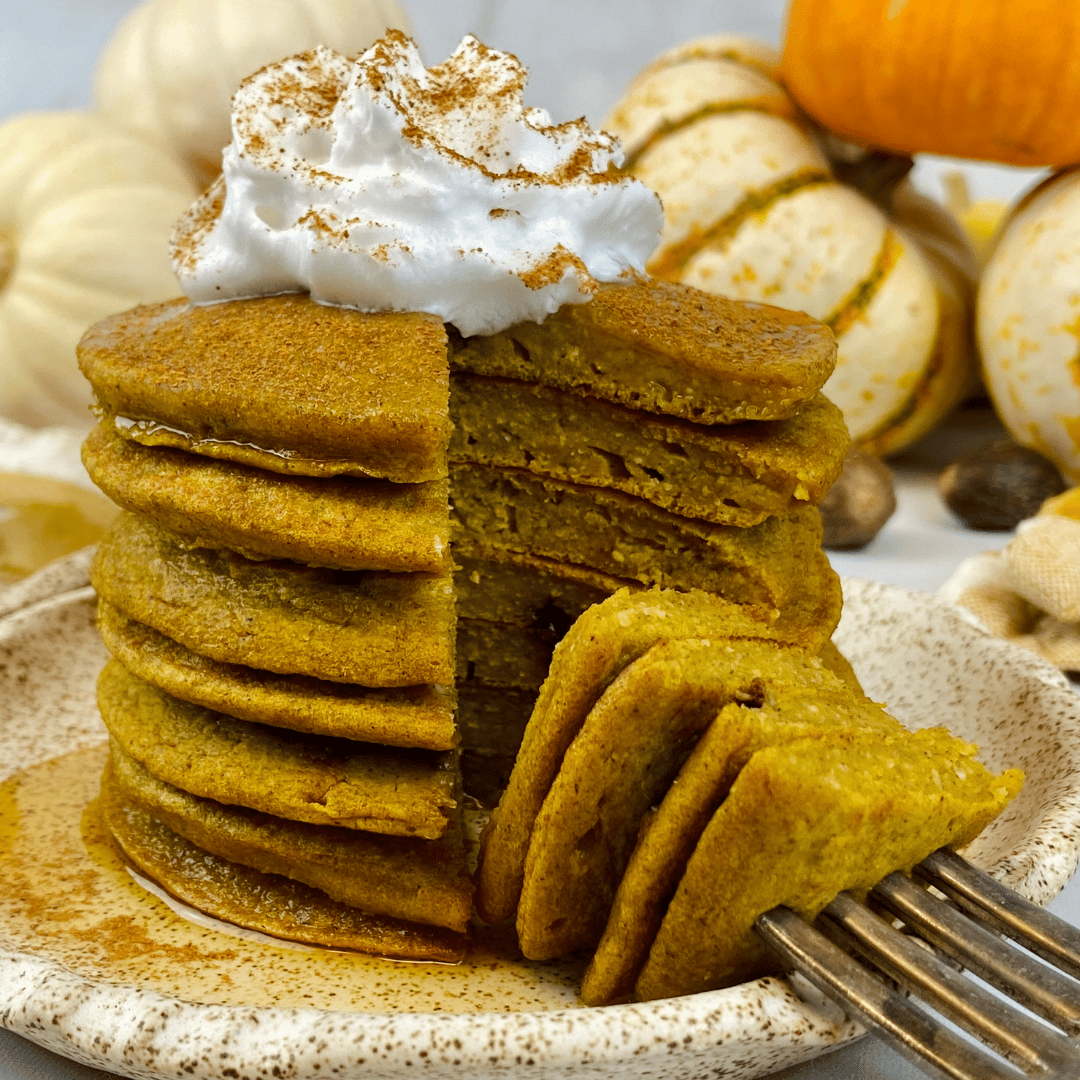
581, 54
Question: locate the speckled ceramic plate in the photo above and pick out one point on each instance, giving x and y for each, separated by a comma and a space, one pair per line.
97, 969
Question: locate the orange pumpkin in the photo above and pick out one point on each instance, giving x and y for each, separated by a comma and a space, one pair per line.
997, 80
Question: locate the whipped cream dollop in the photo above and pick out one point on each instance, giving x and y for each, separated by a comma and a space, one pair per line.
381, 185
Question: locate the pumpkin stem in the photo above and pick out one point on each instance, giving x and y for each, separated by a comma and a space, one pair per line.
7, 258
876, 174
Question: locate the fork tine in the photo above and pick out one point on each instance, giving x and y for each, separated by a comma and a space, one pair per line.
1042, 989
1019, 1037
908, 1029
1002, 909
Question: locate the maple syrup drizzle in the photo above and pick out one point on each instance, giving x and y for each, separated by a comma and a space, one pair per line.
66, 895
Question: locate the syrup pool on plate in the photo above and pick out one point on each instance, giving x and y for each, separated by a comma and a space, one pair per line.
66, 895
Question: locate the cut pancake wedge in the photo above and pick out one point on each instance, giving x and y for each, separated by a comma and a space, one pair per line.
801, 701
603, 641
628, 752
804, 821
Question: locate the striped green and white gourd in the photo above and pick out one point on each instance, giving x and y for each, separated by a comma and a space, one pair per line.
753, 210
1028, 321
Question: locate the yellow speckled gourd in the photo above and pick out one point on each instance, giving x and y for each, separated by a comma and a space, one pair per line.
1028, 322
172, 66
86, 208
753, 210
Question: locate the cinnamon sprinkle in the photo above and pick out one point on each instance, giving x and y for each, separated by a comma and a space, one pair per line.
196, 223
553, 269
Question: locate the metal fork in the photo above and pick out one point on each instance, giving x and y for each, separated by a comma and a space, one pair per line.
967, 928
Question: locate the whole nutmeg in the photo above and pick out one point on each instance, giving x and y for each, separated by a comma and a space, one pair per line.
996, 487
859, 503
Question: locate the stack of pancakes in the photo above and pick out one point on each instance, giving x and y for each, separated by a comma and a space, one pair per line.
278, 598
332, 518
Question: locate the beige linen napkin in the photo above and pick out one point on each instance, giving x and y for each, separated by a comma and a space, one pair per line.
1029, 592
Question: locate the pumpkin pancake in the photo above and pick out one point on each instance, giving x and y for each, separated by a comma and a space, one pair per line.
492, 721
300, 777
731, 475
368, 627
500, 655
279, 382
803, 822
525, 590
423, 881
812, 612
268, 903
665, 348
346, 523
621, 761
619, 535
420, 716
834, 660
601, 643
801, 701
624, 758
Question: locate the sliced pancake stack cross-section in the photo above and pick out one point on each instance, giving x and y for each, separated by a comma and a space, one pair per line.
351, 542
654, 436
278, 599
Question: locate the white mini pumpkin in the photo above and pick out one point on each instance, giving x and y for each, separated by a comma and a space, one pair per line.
172, 66
753, 210
1028, 322
86, 209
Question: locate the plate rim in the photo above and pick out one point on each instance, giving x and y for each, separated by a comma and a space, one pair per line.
559, 1038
